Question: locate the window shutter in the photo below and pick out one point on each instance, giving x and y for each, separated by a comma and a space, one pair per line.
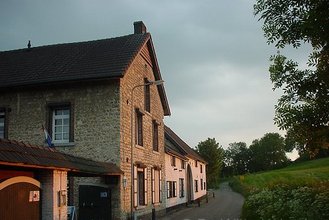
160, 186
135, 187
153, 185
145, 186
175, 188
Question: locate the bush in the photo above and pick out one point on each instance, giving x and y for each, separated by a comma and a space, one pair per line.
285, 202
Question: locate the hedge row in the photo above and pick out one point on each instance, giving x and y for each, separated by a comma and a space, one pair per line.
287, 202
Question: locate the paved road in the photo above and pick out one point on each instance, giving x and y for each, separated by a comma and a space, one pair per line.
226, 205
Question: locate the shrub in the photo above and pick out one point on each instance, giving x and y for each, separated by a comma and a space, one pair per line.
286, 202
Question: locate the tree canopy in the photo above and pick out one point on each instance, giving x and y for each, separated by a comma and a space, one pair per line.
214, 155
302, 110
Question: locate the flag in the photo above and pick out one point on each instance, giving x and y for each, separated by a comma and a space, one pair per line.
47, 137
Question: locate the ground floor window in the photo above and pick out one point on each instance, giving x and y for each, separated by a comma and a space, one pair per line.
181, 188
196, 185
140, 186
171, 189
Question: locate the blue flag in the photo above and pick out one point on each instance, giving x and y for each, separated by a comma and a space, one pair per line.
47, 138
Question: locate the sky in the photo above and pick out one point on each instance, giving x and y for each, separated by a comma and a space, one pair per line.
212, 55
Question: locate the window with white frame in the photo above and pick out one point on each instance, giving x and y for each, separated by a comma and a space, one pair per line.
171, 189
61, 125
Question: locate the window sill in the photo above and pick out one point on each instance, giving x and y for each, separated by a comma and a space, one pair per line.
70, 144
139, 147
156, 152
140, 207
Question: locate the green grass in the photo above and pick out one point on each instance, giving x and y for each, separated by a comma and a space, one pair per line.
308, 173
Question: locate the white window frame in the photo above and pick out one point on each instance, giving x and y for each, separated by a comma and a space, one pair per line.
62, 118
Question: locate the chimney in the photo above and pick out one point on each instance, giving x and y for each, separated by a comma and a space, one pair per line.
139, 27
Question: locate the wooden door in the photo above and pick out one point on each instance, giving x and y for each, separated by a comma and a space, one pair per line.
20, 201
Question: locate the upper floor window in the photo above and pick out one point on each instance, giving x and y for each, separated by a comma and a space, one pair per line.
173, 161
60, 123
182, 164
139, 128
147, 96
201, 168
2, 123
155, 136
196, 163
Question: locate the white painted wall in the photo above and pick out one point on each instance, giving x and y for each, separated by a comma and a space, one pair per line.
173, 174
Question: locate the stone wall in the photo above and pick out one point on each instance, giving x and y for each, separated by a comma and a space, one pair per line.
135, 75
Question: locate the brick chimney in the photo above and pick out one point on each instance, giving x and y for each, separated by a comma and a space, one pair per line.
139, 27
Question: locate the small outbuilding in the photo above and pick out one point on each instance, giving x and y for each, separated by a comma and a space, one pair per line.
34, 181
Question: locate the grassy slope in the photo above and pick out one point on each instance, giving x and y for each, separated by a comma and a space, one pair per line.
306, 173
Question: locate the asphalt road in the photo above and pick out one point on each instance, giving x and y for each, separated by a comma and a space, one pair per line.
226, 205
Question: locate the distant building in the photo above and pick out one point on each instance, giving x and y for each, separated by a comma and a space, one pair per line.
185, 171
82, 94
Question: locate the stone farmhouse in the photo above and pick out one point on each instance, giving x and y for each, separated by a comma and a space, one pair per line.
185, 171
103, 104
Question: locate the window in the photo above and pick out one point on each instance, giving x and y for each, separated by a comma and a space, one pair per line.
204, 185
182, 164
147, 96
200, 168
61, 123
155, 136
140, 186
171, 189
201, 184
173, 161
156, 186
3, 133
196, 185
196, 163
139, 128
181, 187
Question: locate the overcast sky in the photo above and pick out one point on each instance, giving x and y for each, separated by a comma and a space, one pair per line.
211, 53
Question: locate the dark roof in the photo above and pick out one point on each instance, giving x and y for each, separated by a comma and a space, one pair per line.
176, 141
91, 60
106, 58
25, 155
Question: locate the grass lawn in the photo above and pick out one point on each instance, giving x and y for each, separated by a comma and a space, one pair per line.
301, 174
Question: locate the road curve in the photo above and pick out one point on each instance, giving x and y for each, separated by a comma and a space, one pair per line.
226, 205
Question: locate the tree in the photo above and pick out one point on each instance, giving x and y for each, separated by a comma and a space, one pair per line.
237, 158
213, 154
268, 153
302, 110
